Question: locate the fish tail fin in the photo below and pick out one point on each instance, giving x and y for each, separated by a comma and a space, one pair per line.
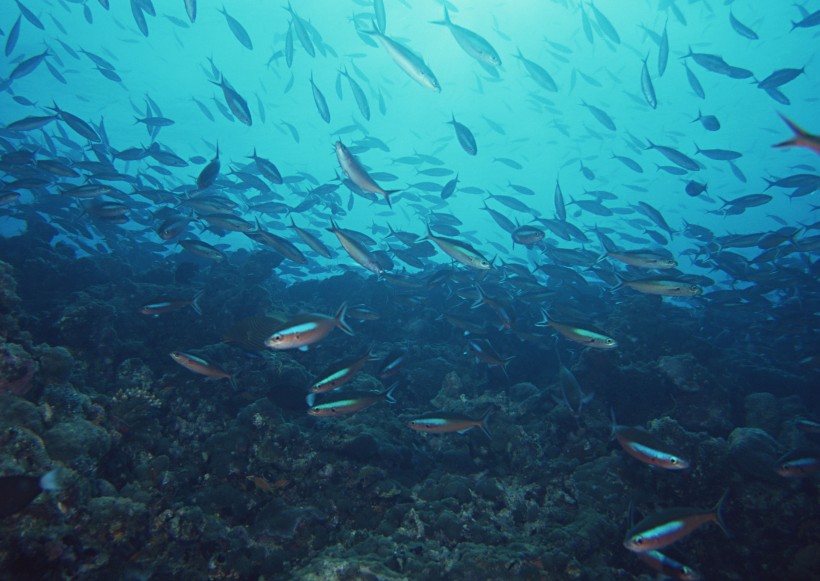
232, 380
799, 133
50, 480
614, 424
340, 319
482, 297
688, 54
620, 285
387, 194
388, 395
310, 399
719, 514
483, 425
195, 303
545, 319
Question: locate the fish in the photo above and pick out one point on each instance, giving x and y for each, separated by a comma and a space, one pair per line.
443, 422
661, 529
339, 403
464, 136
237, 29
580, 333
694, 83
802, 138
741, 28
681, 160
798, 464
669, 567
236, 103
647, 448
571, 391
460, 251
538, 73
472, 43
408, 61
339, 373
302, 331
660, 286
190, 10
357, 250
201, 366
319, 101
646, 85
663, 50
312, 241
18, 491
642, 259
354, 170
391, 363
203, 249
358, 95
301, 32
156, 308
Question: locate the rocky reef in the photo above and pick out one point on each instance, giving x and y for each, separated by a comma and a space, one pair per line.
168, 474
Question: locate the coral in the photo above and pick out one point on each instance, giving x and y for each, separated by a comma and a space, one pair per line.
684, 372
17, 369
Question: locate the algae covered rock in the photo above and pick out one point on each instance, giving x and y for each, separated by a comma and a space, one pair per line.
70, 440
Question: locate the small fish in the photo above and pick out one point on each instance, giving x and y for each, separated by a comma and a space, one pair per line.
319, 101
798, 464
203, 249
356, 249
339, 373
448, 422
643, 259
408, 61
339, 403
646, 85
465, 137
354, 170
18, 491
661, 529
472, 43
305, 330
200, 366
391, 363
663, 287
644, 446
460, 251
157, 308
669, 567
583, 334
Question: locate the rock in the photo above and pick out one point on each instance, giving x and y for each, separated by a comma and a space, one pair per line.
754, 452
69, 440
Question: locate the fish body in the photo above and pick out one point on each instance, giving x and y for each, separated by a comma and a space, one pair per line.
472, 43
236, 102
357, 251
203, 249
646, 448
583, 334
798, 464
18, 491
669, 567
646, 85
320, 101
346, 402
538, 73
661, 529
460, 251
339, 373
449, 422
662, 287
305, 330
358, 175
465, 137
643, 259
161, 307
408, 61
199, 365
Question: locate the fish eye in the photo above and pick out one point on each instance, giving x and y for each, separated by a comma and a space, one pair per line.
638, 540
609, 341
673, 460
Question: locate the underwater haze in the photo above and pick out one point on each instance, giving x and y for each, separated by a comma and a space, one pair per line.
397, 289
